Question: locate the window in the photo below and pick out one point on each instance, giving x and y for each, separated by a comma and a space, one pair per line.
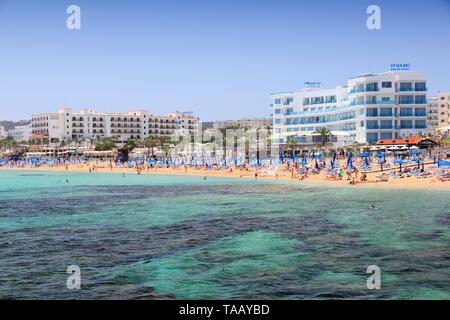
372, 137
372, 87
406, 124
421, 124
385, 135
288, 101
386, 112
372, 124
421, 99
406, 99
385, 124
277, 101
277, 121
421, 112
406, 86
421, 86
372, 112
386, 85
330, 99
406, 112
277, 111
371, 100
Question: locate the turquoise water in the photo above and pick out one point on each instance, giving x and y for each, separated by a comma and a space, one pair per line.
155, 236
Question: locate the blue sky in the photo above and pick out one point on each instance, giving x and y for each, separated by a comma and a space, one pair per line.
220, 59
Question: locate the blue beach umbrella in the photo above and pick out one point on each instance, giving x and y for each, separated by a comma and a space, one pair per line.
399, 162
350, 160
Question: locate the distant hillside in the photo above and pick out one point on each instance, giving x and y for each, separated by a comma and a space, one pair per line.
12, 124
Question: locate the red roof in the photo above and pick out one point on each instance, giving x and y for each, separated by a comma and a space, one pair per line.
408, 141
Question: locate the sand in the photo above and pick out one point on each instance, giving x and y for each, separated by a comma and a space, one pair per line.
399, 183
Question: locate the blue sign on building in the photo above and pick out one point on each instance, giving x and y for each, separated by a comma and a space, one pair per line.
400, 67
312, 84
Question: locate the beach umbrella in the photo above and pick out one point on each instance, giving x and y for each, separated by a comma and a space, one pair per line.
333, 161
304, 160
350, 160
399, 162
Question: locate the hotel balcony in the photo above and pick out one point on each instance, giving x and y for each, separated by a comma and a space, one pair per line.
412, 90
363, 90
362, 103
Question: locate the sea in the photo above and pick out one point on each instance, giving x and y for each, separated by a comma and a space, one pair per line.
182, 237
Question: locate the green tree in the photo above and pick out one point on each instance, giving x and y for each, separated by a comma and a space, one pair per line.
104, 144
325, 134
131, 144
150, 142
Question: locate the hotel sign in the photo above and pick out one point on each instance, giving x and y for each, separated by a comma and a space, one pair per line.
313, 84
400, 67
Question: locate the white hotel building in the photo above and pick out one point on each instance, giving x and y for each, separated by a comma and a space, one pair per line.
369, 108
66, 125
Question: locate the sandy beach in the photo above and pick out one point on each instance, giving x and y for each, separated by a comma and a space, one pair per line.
407, 182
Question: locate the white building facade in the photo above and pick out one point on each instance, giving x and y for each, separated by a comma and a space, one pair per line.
443, 101
433, 114
66, 125
20, 133
3, 133
369, 108
245, 123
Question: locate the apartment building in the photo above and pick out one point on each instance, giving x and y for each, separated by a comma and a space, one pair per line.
20, 133
443, 109
368, 108
433, 114
3, 133
65, 125
243, 123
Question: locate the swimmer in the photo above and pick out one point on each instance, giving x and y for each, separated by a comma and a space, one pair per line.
204, 178
372, 207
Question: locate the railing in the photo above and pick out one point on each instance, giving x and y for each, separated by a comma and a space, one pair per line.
412, 90
354, 91
362, 103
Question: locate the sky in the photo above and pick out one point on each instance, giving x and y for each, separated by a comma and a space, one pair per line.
219, 59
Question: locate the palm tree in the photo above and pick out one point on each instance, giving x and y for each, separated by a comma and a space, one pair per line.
324, 133
150, 142
291, 143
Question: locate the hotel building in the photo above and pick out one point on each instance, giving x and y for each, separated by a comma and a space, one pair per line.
66, 125
2, 132
444, 109
433, 114
244, 123
369, 108
20, 133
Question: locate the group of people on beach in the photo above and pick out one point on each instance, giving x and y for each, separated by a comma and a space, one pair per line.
355, 172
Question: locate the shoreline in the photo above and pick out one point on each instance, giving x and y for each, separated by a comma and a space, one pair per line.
406, 183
